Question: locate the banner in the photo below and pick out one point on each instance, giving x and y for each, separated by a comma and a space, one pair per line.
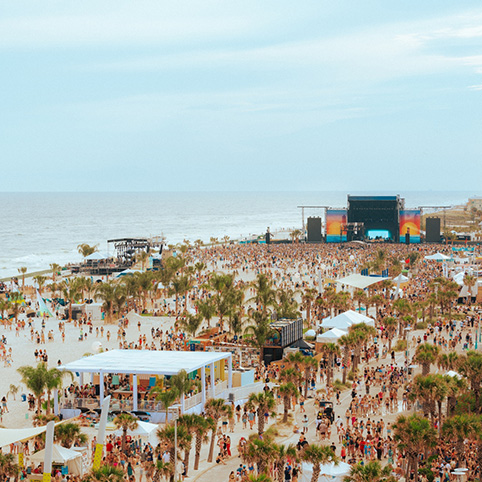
410, 223
334, 221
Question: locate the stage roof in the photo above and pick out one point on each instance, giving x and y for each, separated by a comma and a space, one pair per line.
148, 362
359, 281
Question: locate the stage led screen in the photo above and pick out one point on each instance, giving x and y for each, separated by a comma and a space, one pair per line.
334, 220
410, 222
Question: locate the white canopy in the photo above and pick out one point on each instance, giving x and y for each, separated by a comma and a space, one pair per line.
329, 472
452, 373
360, 281
96, 256
330, 336
148, 362
344, 320
144, 429
400, 278
61, 455
310, 333
437, 257
11, 435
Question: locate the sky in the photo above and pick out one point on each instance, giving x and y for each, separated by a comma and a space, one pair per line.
258, 95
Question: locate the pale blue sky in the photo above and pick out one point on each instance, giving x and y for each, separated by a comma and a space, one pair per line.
243, 95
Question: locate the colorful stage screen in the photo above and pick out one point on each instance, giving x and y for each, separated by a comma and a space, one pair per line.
334, 220
410, 222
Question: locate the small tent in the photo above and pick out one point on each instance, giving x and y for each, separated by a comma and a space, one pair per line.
437, 257
329, 472
330, 336
344, 320
144, 429
62, 456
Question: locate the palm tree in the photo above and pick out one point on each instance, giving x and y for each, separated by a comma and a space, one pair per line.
40, 279
457, 429
370, 472
159, 470
261, 452
142, 257
22, 270
308, 297
265, 293
470, 281
167, 436
201, 429
347, 342
283, 453
106, 292
470, 366
415, 435
35, 379
4, 306
262, 402
330, 350
15, 299
191, 423
260, 331
85, 250
8, 467
182, 384
206, 309
287, 391
105, 473
166, 397
191, 323
68, 434
286, 305
71, 289
361, 333
180, 285
259, 478
360, 297
13, 389
318, 455
53, 381
55, 268
390, 324
426, 354
125, 421
215, 408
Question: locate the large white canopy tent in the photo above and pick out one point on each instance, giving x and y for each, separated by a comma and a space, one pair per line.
11, 435
343, 321
330, 336
150, 362
359, 281
438, 257
60, 455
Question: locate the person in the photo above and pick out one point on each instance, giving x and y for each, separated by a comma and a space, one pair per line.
232, 477
302, 443
287, 473
305, 423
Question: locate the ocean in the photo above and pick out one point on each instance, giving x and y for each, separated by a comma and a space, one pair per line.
42, 228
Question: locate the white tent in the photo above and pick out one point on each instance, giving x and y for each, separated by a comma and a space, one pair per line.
63, 456
400, 278
329, 472
359, 281
437, 257
330, 336
96, 256
452, 373
11, 435
344, 320
310, 333
144, 429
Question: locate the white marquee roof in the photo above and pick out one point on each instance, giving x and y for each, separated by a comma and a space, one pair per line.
360, 281
148, 362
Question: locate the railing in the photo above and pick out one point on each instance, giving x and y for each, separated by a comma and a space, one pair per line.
193, 401
220, 387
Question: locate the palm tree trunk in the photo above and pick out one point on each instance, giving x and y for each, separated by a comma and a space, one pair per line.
260, 422
187, 453
316, 472
197, 455
285, 409
211, 445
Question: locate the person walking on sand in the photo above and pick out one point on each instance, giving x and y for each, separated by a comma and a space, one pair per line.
305, 423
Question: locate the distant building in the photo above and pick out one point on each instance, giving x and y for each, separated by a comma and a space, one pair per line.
475, 202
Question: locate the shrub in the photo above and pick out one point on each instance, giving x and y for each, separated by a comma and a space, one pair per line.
401, 345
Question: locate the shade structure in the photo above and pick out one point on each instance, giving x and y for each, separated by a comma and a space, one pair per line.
63, 456
359, 281
144, 429
330, 336
96, 256
310, 333
437, 257
147, 362
11, 435
329, 472
344, 320
452, 373
400, 279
